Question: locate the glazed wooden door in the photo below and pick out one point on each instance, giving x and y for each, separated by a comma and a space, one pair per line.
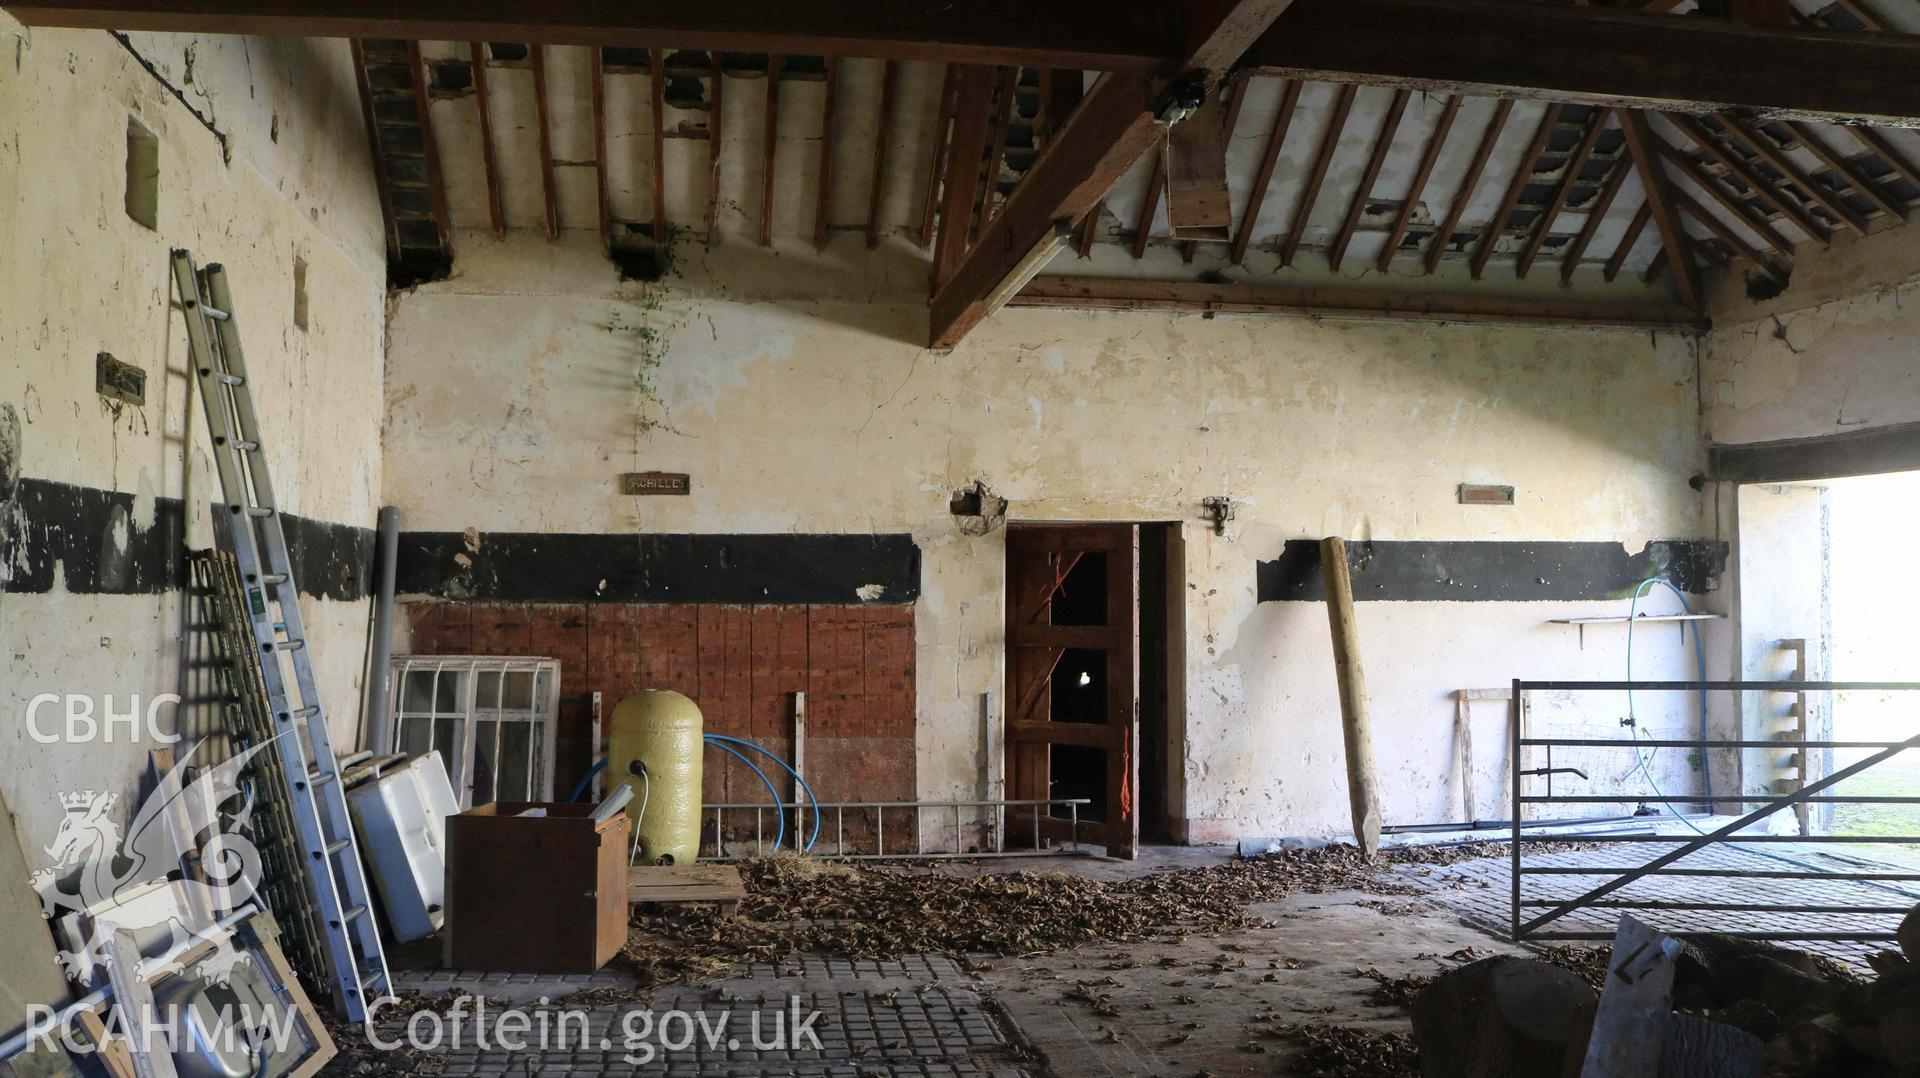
1100, 631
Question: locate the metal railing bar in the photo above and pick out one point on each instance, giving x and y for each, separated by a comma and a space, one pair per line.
1725, 686
1694, 743
1516, 762
1063, 852
910, 804
995, 806
1808, 839
1604, 799
1834, 937
1724, 907
1694, 845
1724, 873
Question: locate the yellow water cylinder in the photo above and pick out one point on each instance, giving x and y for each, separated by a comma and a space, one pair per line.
661, 732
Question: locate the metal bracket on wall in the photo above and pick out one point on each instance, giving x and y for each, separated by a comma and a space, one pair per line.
1219, 510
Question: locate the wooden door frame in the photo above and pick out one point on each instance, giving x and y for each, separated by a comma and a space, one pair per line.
1029, 590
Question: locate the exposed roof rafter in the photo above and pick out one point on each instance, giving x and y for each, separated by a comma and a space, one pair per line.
1323, 160
1363, 192
1263, 179
1443, 233
1660, 204
1522, 175
1569, 177
1435, 142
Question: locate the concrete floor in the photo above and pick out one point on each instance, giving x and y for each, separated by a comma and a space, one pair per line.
1208, 1004
1204, 1003
1832, 906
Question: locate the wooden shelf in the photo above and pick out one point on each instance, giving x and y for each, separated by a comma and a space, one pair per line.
1682, 619
1641, 618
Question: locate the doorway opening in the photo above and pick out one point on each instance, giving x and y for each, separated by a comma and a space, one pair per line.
1827, 593
1874, 587
1093, 691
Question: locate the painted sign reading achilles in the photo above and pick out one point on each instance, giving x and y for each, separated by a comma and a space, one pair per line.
655, 483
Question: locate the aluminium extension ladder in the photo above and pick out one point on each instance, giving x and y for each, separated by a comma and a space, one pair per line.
356, 965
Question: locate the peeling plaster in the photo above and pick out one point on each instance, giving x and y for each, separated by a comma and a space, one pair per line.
822, 415
261, 153
1816, 360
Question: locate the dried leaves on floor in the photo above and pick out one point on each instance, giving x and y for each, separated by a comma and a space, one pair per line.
1390, 991
1352, 1052
1589, 962
357, 1054
798, 905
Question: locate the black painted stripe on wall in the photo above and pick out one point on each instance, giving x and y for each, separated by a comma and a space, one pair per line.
84, 540
1483, 571
575, 567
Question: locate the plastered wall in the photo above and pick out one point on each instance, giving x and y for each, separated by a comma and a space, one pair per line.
1833, 353
520, 388
262, 161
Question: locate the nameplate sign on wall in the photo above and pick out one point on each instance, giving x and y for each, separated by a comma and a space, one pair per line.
655, 483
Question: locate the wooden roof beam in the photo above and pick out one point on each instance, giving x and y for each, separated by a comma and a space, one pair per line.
596, 75
430, 148
1629, 239
539, 57
1575, 164
1363, 193
1660, 204
392, 226
1149, 202
942, 147
1116, 124
1001, 116
1726, 199
1091, 34
1522, 175
1598, 56
973, 94
1840, 167
1443, 233
1728, 235
1578, 53
1263, 179
824, 184
1104, 293
1418, 187
1770, 152
1596, 214
1768, 193
1872, 140
716, 113
477, 56
769, 149
657, 93
1317, 177
882, 143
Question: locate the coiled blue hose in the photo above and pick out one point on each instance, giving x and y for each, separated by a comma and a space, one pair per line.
724, 743
600, 765
779, 812
802, 783
586, 780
